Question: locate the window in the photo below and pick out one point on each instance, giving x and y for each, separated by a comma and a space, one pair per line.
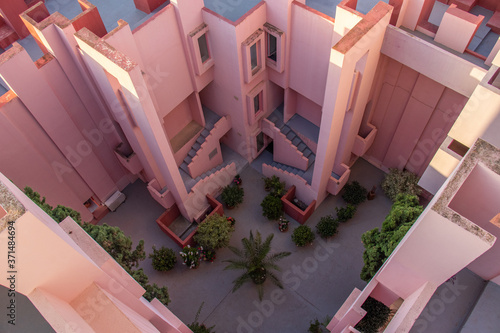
271, 47
202, 43
256, 103
253, 55
199, 40
275, 47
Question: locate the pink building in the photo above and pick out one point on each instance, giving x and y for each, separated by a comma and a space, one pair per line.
182, 98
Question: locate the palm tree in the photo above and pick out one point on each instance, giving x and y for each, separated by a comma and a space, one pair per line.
254, 258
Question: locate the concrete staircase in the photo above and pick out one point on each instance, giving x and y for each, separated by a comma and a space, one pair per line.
277, 119
210, 119
189, 183
306, 175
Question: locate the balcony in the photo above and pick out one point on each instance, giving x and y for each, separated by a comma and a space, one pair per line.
364, 141
338, 179
128, 159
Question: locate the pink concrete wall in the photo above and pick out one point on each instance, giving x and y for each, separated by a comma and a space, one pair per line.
10, 13
177, 119
309, 57
201, 162
50, 113
164, 59
20, 152
477, 201
413, 115
308, 109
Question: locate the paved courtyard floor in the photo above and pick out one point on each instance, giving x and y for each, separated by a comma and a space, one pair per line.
317, 278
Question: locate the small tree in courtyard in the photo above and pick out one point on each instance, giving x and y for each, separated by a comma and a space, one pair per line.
379, 244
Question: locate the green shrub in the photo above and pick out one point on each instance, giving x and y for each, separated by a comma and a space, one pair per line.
59, 213
354, 193
196, 327
163, 259
377, 314
318, 327
327, 226
398, 181
160, 293
214, 233
274, 185
272, 207
302, 235
379, 244
344, 214
232, 195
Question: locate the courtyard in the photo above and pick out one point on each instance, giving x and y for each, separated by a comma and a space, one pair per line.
317, 278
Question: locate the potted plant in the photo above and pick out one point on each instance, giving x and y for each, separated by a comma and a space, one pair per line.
237, 180
398, 181
283, 224
302, 235
327, 226
191, 257
163, 259
272, 207
377, 315
214, 233
258, 264
231, 221
232, 196
207, 255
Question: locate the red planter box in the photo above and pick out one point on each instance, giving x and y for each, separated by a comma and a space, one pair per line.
295, 212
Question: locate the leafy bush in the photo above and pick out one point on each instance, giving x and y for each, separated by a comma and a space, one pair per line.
354, 193
214, 233
377, 314
163, 259
327, 226
274, 185
154, 291
272, 207
59, 213
318, 327
190, 256
119, 246
232, 196
344, 214
379, 244
302, 235
398, 181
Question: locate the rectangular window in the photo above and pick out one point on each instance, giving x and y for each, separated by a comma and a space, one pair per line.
256, 103
253, 57
271, 47
260, 141
212, 154
202, 43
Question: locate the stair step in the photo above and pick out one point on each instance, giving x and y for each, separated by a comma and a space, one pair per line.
285, 130
196, 146
312, 158
192, 153
307, 152
188, 159
290, 136
301, 147
296, 141
184, 167
200, 139
205, 132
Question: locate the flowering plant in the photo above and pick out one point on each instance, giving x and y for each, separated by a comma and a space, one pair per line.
207, 255
231, 220
237, 180
283, 224
191, 256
